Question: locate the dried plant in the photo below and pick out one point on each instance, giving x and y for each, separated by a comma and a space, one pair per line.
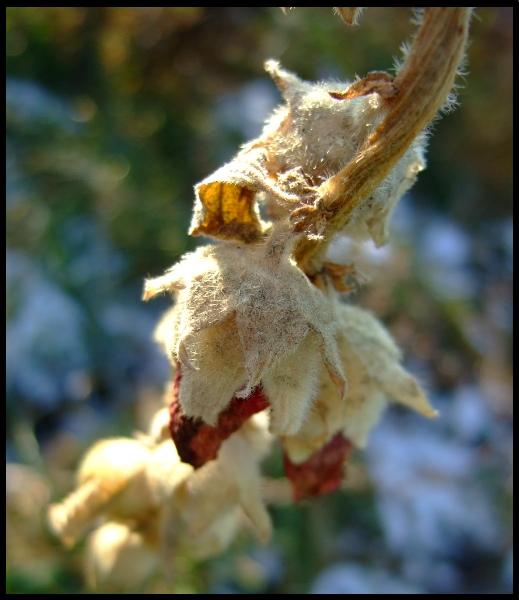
261, 343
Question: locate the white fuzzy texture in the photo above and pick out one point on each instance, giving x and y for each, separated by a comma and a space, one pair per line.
158, 429
305, 141
372, 363
233, 480
118, 558
372, 217
122, 478
321, 133
153, 503
292, 384
246, 315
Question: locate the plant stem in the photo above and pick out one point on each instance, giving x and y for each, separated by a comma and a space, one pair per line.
420, 89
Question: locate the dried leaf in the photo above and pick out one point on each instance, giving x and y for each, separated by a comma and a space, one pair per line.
198, 442
227, 212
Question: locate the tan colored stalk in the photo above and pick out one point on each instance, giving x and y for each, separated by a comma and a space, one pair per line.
417, 93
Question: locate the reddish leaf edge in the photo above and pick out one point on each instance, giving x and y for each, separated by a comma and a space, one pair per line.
322, 473
196, 441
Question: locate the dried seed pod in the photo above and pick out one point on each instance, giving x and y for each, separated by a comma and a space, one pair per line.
246, 316
320, 128
154, 503
106, 470
233, 479
119, 558
122, 478
372, 362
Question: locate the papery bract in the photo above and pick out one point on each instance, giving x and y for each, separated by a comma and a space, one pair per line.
247, 316
371, 360
319, 129
198, 442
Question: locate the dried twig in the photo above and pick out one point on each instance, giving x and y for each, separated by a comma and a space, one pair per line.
413, 98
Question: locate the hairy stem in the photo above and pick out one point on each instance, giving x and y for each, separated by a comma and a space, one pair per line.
419, 91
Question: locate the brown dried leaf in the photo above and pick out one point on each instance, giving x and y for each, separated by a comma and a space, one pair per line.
225, 203
228, 212
197, 442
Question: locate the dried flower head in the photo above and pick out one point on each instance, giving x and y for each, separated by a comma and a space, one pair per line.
372, 362
315, 456
123, 478
119, 558
232, 480
245, 316
318, 130
256, 328
196, 441
104, 472
153, 503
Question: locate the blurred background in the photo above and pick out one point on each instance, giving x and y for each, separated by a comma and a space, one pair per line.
113, 114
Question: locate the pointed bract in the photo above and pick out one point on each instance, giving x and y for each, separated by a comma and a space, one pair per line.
319, 129
247, 316
371, 361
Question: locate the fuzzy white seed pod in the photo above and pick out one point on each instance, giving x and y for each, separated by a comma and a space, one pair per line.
246, 315
133, 481
372, 362
119, 558
319, 129
232, 480
107, 469
121, 478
